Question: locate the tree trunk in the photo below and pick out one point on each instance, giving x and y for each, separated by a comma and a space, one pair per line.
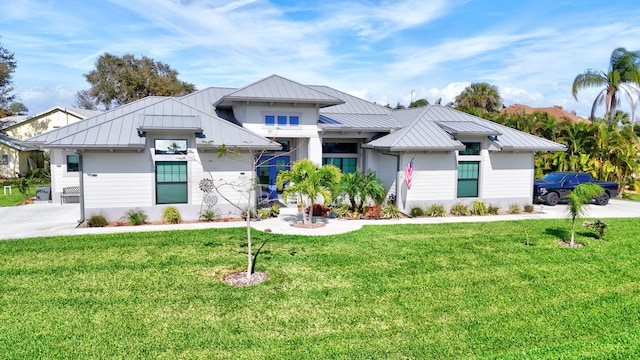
249, 257
572, 243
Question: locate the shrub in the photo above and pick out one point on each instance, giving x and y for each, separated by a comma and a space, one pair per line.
436, 210
528, 208
598, 225
373, 212
341, 211
264, 213
493, 209
135, 217
514, 209
416, 211
318, 210
171, 215
209, 215
390, 212
97, 221
459, 209
274, 210
478, 208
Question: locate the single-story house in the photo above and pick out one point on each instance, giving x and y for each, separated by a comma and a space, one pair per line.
18, 157
155, 152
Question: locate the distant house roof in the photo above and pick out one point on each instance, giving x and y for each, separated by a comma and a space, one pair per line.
555, 111
77, 112
15, 143
7, 122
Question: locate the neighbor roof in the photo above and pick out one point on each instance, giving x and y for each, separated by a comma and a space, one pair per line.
555, 111
15, 143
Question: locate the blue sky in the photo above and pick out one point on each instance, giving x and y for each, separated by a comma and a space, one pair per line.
382, 51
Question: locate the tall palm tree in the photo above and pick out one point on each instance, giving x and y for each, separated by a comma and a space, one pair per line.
309, 180
622, 80
480, 96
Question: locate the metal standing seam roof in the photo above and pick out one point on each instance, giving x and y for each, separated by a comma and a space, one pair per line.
119, 128
456, 128
371, 122
351, 105
15, 143
278, 89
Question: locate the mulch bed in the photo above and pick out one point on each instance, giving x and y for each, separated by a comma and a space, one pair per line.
240, 278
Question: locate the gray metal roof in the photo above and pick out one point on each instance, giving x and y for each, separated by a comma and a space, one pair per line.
428, 131
16, 143
351, 105
118, 128
205, 99
359, 122
170, 123
278, 89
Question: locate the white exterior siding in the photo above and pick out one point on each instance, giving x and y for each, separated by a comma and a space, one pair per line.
434, 180
60, 178
507, 178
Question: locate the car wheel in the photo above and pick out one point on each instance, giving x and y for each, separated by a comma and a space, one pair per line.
552, 199
603, 199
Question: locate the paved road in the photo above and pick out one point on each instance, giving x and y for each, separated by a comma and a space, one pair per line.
46, 219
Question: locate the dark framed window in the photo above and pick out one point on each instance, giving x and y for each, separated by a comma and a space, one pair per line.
171, 182
339, 148
472, 148
170, 147
286, 145
269, 120
468, 176
282, 120
73, 163
347, 165
294, 120
5, 159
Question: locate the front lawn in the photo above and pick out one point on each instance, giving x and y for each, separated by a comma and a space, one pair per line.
403, 292
15, 197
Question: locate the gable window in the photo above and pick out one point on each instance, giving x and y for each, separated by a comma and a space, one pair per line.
170, 147
281, 120
468, 175
5, 159
171, 182
73, 163
472, 148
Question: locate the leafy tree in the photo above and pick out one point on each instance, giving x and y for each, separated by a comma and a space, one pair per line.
120, 80
7, 68
480, 96
580, 196
419, 103
622, 79
18, 108
309, 180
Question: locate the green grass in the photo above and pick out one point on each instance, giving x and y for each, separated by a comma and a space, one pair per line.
403, 292
631, 196
16, 197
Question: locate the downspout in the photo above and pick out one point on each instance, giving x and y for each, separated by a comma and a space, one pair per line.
81, 198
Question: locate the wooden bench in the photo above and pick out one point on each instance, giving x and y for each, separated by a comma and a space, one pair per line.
70, 192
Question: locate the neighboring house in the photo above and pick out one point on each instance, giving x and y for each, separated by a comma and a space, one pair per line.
19, 158
125, 158
555, 111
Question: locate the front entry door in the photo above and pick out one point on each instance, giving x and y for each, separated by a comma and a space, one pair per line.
267, 173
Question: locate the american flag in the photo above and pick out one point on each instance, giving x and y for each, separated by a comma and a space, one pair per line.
408, 174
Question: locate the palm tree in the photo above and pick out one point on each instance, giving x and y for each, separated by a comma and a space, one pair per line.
579, 197
622, 79
480, 96
360, 188
309, 180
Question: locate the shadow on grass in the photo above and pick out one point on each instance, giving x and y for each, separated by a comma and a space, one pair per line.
558, 233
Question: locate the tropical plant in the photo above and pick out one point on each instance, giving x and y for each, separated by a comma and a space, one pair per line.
481, 96
209, 214
360, 188
621, 80
171, 215
309, 180
459, 209
528, 208
580, 196
135, 216
97, 221
514, 209
416, 211
493, 209
478, 208
436, 210
373, 212
390, 211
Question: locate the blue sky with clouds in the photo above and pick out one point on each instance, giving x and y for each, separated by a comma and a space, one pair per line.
382, 51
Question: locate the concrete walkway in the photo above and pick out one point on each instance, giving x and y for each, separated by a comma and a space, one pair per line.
47, 219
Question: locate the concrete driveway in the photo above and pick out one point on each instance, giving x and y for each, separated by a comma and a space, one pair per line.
47, 219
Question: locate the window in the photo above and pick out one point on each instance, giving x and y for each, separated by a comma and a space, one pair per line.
473, 148
468, 174
170, 147
5, 159
171, 182
269, 120
339, 148
281, 120
73, 163
347, 165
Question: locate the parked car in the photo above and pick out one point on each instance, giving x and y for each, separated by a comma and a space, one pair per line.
555, 187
